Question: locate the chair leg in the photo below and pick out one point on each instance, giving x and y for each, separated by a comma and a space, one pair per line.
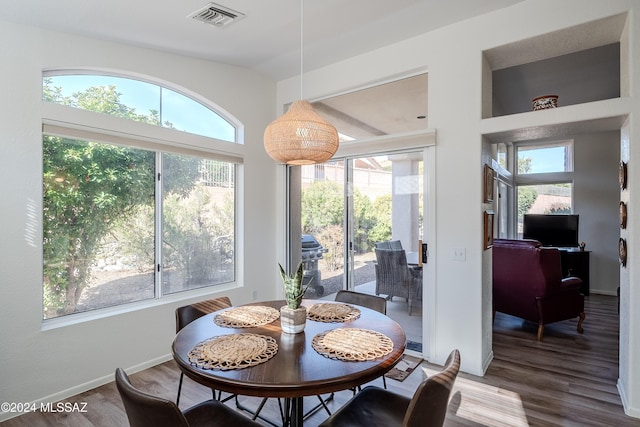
540, 331
180, 388
259, 409
256, 414
322, 404
221, 400
580, 330
213, 392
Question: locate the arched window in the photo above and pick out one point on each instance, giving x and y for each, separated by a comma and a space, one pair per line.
137, 100
131, 212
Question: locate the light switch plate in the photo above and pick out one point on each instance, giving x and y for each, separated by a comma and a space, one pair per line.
459, 254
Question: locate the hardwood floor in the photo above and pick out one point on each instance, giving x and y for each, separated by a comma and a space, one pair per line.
566, 380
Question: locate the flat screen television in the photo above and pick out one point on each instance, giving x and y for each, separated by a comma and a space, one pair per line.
551, 230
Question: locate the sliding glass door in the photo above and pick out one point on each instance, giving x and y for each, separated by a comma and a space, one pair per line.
322, 226
349, 205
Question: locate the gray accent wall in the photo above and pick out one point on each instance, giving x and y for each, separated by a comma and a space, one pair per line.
596, 198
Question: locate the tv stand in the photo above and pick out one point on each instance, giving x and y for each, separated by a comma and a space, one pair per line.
576, 263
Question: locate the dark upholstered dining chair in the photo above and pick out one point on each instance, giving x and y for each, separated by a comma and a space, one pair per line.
188, 313
145, 410
373, 302
376, 407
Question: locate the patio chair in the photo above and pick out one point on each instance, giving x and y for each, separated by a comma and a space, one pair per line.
394, 277
146, 410
376, 407
389, 244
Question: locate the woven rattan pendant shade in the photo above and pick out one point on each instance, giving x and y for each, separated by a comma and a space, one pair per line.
300, 137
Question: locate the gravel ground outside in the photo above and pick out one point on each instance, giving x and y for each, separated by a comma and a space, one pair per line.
332, 281
119, 287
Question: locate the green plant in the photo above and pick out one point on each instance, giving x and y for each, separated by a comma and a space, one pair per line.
332, 239
527, 196
293, 288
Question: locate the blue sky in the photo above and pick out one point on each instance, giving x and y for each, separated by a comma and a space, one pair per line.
545, 159
184, 113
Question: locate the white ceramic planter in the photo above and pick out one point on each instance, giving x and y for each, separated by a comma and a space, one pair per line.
293, 321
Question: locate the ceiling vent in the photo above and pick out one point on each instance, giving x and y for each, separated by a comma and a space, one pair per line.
216, 15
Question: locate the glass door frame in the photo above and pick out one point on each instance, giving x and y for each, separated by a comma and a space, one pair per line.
348, 280
424, 141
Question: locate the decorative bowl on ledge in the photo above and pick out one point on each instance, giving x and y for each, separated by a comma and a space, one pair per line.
544, 102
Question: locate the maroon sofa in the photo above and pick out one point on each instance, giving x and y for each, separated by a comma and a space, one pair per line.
528, 283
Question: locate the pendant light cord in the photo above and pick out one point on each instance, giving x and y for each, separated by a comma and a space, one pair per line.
301, 45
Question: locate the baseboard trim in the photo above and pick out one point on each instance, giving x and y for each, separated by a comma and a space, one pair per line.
487, 362
81, 388
603, 292
632, 412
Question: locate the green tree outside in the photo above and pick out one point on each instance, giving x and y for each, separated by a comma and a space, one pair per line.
322, 205
527, 195
89, 188
526, 198
323, 216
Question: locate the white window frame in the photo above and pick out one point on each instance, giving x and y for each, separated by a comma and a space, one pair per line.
70, 122
550, 144
216, 109
541, 178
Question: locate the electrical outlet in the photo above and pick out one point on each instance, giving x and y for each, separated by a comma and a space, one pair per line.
255, 295
459, 254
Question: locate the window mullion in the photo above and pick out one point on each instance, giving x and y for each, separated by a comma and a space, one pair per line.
158, 226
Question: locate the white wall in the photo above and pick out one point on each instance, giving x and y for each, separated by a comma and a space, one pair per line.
77, 357
453, 58
53, 364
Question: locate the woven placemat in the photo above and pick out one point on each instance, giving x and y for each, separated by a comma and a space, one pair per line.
332, 312
352, 344
234, 351
246, 316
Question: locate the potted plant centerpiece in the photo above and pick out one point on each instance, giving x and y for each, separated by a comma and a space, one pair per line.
293, 317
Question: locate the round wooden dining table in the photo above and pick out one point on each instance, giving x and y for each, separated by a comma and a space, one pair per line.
297, 369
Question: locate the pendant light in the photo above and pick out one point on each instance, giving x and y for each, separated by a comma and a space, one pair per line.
300, 136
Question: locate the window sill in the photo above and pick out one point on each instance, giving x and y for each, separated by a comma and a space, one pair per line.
88, 316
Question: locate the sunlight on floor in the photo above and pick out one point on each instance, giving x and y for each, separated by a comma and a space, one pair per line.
485, 404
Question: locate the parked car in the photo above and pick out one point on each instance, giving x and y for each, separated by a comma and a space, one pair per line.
312, 251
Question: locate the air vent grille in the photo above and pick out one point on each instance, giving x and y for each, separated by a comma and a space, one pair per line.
216, 15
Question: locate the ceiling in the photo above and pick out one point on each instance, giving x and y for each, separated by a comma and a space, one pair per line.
394, 107
268, 38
